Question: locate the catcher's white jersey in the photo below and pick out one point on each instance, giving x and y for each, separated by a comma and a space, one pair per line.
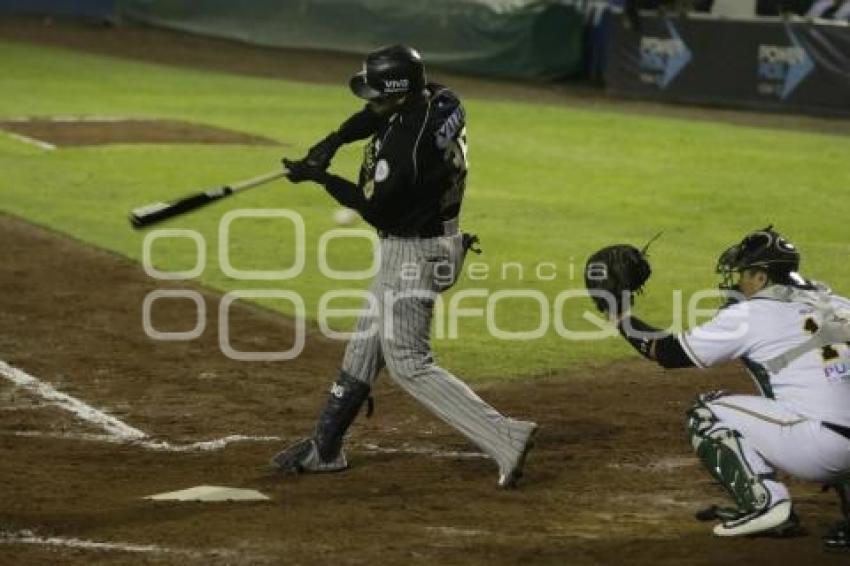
815, 385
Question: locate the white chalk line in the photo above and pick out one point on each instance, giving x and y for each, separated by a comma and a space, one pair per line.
369, 447
205, 445
155, 445
212, 445
29, 537
31, 141
83, 411
118, 432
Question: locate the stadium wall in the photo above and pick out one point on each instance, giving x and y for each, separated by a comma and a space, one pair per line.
498, 38
85, 9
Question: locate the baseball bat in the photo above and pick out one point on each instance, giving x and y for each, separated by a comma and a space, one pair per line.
150, 214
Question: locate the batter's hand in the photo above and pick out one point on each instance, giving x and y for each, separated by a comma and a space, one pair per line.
301, 170
321, 154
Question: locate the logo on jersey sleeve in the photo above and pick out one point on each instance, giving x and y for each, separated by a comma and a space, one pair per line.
382, 171
450, 128
451, 138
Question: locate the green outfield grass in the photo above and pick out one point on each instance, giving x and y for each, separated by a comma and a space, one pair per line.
548, 184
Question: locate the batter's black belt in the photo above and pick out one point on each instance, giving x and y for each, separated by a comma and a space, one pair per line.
446, 228
842, 430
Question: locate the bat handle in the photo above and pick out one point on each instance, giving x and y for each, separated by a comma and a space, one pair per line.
259, 180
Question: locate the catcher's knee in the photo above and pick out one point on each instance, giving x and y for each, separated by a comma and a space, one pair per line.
719, 449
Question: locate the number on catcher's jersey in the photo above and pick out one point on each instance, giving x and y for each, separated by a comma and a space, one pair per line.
816, 385
828, 352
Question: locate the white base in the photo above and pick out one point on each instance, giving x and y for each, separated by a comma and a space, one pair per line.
210, 493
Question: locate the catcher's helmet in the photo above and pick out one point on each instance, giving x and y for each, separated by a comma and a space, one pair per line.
389, 72
763, 249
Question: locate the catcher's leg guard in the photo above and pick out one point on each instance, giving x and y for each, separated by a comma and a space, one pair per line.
719, 448
323, 451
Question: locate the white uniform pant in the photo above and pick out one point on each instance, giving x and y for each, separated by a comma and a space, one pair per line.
773, 437
395, 330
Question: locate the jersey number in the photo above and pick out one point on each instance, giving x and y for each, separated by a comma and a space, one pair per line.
827, 352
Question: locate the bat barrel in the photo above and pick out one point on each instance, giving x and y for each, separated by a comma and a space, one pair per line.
159, 211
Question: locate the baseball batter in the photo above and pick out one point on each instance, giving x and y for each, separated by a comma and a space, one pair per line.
410, 189
794, 337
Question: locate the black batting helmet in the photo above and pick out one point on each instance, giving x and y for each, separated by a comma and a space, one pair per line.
764, 249
393, 71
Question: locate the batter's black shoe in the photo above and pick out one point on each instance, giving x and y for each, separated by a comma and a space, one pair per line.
837, 538
303, 456
323, 452
508, 477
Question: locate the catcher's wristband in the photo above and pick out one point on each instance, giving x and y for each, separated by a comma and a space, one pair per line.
637, 333
653, 343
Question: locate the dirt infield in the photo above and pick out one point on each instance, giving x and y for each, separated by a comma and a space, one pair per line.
72, 131
612, 474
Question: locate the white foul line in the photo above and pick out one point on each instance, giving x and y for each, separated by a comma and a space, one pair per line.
369, 447
83, 411
29, 537
118, 432
211, 445
31, 141
155, 445
206, 445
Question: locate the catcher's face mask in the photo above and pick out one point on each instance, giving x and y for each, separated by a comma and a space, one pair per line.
727, 267
764, 249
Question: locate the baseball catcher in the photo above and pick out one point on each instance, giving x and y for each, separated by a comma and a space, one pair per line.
410, 189
793, 335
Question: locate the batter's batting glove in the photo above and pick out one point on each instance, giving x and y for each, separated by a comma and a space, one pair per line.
302, 170
321, 154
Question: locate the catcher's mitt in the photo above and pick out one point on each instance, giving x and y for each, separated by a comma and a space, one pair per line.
614, 274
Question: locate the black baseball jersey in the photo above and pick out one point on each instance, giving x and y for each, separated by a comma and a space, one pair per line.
414, 166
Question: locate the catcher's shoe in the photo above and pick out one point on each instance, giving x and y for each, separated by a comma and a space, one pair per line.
303, 456
777, 520
837, 538
718, 513
510, 475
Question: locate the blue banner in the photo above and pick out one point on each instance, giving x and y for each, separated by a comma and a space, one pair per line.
768, 64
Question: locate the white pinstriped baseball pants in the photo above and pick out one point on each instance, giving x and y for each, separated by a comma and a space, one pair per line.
395, 332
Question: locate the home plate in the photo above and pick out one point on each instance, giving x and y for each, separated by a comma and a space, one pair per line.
210, 493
